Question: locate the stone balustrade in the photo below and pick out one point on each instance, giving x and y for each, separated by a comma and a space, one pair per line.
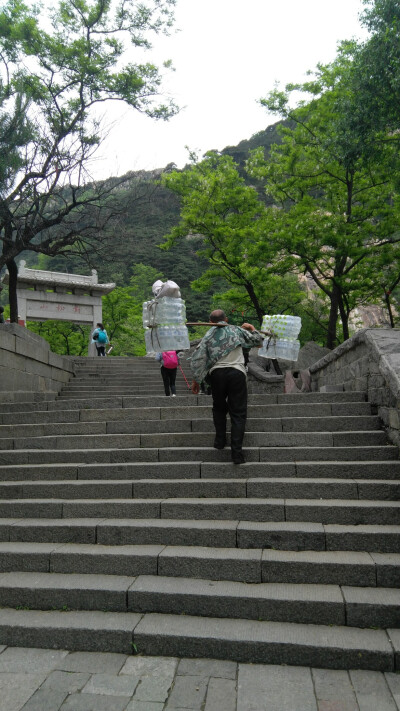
370, 362
29, 370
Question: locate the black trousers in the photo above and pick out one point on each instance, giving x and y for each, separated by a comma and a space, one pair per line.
101, 350
229, 394
169, 377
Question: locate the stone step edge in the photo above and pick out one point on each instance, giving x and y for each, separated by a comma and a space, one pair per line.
295, 481
280, 602
240, 535
189, 636
254, 565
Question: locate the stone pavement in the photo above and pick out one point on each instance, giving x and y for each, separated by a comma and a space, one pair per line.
57, 680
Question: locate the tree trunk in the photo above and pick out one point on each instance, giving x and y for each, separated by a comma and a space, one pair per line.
333, 317
345, 319
389, 308
12, 290
253, 298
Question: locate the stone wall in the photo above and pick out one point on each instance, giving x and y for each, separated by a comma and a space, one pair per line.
370, 362
29, 371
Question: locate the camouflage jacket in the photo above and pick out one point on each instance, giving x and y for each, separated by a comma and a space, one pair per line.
217, 342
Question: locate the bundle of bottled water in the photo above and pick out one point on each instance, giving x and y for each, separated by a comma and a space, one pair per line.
164, 320
282, 325
283, 342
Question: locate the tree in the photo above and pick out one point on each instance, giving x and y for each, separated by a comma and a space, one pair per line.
47, 202
337, 209
372, 104
229, 218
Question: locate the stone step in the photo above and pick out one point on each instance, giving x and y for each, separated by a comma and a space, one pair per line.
276, 602
194, 439
349, 568
200, 454
294, 424
285, 536
186, 636
189, 412
344, 399
337, 511
260, 487
374, 470
323, 646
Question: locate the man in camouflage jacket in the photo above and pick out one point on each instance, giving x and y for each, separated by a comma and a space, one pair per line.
219, 357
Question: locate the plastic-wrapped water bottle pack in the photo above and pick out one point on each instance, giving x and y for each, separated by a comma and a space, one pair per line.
283, 342
164, 320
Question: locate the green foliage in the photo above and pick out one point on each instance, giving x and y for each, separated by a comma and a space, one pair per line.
50, 83
227, 219
336, 212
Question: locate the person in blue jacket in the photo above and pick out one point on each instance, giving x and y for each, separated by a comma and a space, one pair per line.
100, 338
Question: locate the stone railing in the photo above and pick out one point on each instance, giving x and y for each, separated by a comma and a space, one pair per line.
29, 371
370, 362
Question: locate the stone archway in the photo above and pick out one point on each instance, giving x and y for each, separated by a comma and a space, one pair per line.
44, 295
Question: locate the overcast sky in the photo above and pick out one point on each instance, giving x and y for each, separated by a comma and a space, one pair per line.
227, 54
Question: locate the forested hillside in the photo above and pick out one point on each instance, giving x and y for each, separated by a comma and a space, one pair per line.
150, 211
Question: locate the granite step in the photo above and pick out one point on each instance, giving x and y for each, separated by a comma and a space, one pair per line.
189, 636
324, 511
189, 487
188, 412
200, 454
195, 440
152, 426
276, 602
283, 535
349, 568
133, 471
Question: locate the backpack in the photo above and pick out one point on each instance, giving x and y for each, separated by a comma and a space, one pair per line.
170, 359
102, 338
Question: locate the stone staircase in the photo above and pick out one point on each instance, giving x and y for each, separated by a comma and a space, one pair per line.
122, 529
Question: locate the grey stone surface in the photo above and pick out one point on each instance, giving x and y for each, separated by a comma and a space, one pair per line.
111, 685
244, 509
221, 534
93, 702
387, 569
105, 560
372, 691
221, 695
393, 682
19, 659
372, 607
82, 630
45, 700
216, 668
136, 705
262, 601
327, 567
66, 681
271, 688
16, 688
46, 591
92, 662
333, 689
211, 563
188, 692
265, 642
380, 539
286, 535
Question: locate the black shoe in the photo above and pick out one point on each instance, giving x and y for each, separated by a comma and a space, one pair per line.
219, 443
238, 458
